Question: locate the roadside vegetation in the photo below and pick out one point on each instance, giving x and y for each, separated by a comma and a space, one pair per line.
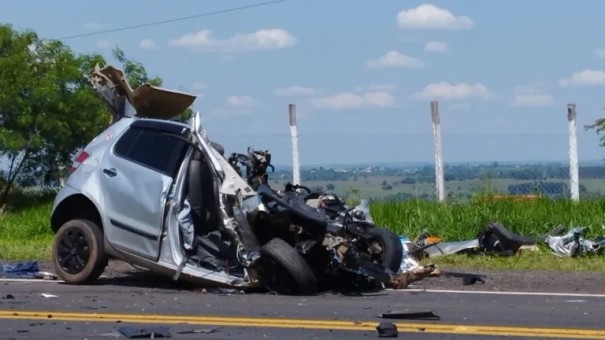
25, 232
463, 221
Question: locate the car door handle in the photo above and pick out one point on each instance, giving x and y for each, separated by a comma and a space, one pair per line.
110, 172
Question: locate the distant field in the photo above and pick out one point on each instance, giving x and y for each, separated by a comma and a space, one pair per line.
371, 187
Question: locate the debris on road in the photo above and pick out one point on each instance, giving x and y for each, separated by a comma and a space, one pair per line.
8, 297
49, 295
200, 331
403, 279
574, 244
387, 330
410, 315
153, 332
26, 269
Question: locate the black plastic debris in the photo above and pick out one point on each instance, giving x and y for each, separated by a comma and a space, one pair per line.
200, 331
471, 280
410, 315
387, 330
8, 297
132, 332
467, 278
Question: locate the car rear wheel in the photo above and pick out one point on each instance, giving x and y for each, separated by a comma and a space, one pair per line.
284, 270
78, 254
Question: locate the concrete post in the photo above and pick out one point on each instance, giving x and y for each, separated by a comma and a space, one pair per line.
439, 183
573, 153
294, 135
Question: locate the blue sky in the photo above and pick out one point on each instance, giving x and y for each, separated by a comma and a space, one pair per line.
363, 73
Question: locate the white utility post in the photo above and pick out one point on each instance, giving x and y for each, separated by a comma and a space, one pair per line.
439, 185
573, 153
294, 134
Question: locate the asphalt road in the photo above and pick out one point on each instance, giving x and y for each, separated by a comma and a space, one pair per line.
98, 311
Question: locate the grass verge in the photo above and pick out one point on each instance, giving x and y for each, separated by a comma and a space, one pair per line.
25, 233
463, 221
534, 260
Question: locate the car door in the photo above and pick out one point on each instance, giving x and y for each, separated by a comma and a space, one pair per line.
137, 179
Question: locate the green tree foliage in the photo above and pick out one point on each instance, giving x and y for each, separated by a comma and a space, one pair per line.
47, 107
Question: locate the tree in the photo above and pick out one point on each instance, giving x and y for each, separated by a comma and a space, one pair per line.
599, 125
47, 108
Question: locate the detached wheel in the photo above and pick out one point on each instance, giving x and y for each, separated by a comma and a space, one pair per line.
387, 247
78, 254
284, 270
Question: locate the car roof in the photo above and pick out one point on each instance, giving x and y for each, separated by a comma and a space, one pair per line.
161, 125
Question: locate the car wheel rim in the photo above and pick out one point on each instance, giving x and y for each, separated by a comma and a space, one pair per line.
73, 251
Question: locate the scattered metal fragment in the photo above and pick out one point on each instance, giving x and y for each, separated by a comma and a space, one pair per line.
387, 330
144, 332
49, 295
198, 331
409, 315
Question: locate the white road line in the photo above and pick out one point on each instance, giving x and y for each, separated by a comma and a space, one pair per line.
487, 292
30, 280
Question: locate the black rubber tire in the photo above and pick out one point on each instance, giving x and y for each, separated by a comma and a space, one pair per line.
392, 250
285, 271
93, 252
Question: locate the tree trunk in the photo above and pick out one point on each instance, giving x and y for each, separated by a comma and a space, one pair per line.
12, 176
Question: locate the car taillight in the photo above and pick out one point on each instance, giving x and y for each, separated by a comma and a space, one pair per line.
81, 157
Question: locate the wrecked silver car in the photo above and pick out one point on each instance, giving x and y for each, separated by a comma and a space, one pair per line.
159, 194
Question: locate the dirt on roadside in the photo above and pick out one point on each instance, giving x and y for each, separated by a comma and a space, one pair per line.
450, 279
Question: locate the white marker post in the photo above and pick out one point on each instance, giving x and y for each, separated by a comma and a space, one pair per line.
573, 153
294, 134
439, 186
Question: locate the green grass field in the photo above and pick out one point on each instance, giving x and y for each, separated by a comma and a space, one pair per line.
25, 232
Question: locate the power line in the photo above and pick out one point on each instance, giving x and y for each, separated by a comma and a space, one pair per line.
125, 28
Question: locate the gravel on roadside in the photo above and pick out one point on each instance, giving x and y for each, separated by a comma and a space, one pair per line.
502, 280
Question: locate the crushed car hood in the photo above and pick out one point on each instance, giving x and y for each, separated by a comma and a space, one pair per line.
146, 100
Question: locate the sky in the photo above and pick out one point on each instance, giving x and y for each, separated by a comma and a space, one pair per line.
362, 73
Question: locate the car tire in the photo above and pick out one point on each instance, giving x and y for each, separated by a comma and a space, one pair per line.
284, 270
392, 250
78, 253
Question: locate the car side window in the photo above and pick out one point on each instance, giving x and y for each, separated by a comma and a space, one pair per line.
154, 149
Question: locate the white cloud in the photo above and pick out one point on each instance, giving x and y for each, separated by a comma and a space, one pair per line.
295, 91
103, 44
436, 46
428, 16
531, 97
586, 77
240, 101
349, 100
599, 52
148, 44
203, 41
394, 59
97, 25
446, 91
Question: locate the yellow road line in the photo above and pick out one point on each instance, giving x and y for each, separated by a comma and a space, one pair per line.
306, 324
